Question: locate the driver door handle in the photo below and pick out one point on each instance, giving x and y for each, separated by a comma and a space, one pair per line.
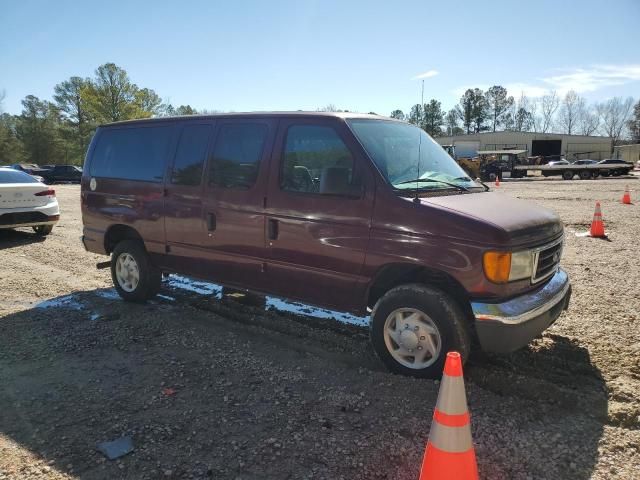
273, 229
211, 222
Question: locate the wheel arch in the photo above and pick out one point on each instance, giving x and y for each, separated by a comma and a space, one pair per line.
393, 275
117, 233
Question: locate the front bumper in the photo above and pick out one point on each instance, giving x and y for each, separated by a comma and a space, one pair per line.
508, 326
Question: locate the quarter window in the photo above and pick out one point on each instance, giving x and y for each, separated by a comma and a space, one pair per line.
135, 153
236, 156
192, 149
316, 160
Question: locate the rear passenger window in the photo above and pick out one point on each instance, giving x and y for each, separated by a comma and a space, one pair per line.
236, 156
131, 153
316, 160
192, 148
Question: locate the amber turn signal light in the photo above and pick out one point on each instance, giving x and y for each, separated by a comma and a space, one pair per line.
497, 266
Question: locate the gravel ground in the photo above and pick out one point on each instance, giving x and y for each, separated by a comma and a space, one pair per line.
213, 388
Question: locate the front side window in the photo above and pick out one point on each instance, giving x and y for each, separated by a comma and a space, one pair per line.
192, 149
316, 160
236, 156
408, 157
134, 153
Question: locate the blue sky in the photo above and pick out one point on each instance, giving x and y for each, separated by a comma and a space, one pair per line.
358, 55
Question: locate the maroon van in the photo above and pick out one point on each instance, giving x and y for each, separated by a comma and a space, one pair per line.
356, 213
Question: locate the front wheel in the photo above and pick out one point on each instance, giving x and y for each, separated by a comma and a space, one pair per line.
136, 279
414, 326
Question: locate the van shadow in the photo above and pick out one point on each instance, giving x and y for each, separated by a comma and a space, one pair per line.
10, 238
92, 369
86, 368
565, 390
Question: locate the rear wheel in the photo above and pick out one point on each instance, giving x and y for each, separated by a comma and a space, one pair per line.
43, 230
567, 174
585, 174
414, 326
136, 279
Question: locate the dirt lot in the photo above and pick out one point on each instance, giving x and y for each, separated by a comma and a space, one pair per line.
261, 394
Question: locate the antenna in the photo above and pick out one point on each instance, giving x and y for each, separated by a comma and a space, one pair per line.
416, 199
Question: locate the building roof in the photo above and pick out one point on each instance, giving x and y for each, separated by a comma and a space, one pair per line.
500, 152
487, 135
631, 146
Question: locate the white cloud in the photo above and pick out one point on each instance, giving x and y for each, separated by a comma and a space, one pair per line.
518, 88
593, 78
427, 74
581, 80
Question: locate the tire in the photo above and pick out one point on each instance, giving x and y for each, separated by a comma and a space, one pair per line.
43, 230
568, 175
604, 173
134, 259
585, 175
435, 310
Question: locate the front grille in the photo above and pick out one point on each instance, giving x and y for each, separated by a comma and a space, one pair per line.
22, 217
546, 261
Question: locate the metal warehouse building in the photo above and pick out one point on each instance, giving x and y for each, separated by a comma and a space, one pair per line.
571, 147
628, 153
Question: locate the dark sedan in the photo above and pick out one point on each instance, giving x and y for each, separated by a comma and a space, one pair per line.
618, 167
62, 173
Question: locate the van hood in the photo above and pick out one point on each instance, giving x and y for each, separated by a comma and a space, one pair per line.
519, 222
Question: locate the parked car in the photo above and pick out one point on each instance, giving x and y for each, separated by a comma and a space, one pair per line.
346, 211
25, 202
30, 168
62, 173
618, 167
585, 162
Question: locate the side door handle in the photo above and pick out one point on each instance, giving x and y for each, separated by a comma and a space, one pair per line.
211, 222
273, 229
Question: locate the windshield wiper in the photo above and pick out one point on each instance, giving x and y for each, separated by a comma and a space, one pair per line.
433, 180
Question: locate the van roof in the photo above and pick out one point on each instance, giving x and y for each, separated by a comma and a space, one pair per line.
298, 113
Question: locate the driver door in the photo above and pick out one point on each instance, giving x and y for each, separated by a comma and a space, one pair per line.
318, 212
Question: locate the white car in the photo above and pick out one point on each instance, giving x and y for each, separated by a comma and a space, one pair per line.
26, 202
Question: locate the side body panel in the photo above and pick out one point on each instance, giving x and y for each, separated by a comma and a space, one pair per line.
184, 213
116, 201
234, 245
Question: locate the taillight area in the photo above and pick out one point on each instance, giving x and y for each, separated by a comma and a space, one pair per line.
46, 193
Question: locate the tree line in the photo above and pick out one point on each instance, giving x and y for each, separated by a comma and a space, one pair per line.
495, 110
59, 131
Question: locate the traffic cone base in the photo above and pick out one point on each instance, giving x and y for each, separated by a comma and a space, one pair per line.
449, 453
439, 464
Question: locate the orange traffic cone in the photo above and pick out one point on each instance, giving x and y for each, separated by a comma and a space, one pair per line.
597, 225
626, 198
449, 453
497, 181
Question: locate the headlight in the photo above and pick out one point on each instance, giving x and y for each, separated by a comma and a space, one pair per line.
503, 267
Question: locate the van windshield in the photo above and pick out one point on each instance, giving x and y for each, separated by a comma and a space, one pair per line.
394, 147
